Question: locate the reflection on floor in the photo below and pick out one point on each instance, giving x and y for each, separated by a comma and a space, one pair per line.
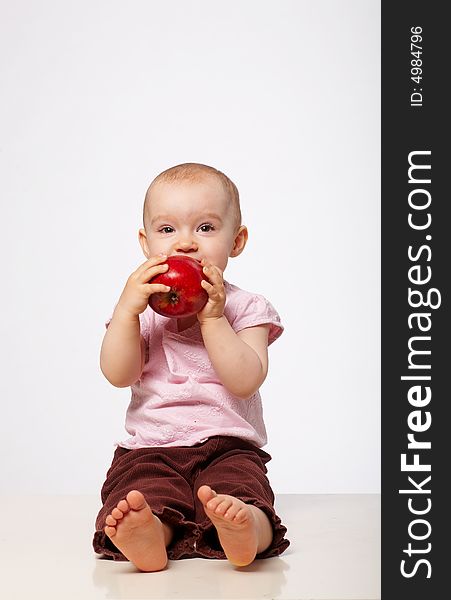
334, 555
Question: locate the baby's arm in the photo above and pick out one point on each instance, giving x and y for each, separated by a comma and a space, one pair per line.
122, 353
239, 359
123, 349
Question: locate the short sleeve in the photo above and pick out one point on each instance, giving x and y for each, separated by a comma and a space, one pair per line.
257, 310
144, 322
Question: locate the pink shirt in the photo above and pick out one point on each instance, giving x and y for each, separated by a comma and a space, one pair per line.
179, 400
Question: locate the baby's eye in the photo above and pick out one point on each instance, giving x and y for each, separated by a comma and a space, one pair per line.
166, 229
206, 227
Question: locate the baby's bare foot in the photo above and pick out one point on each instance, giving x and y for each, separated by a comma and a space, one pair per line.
235, 522
138, 533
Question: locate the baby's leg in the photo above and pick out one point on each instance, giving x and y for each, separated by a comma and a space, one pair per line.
243, 529
228, 490
138, 533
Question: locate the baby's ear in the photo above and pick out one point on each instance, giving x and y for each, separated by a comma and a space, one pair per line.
142, 237
240, 241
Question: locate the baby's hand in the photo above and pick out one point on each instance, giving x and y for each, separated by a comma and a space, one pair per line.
214, 308
135, 296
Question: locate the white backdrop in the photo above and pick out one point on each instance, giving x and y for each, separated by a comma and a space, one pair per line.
101, 96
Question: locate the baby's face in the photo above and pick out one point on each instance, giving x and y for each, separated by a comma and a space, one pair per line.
193, 219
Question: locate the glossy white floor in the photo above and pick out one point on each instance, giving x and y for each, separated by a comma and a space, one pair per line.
45, 552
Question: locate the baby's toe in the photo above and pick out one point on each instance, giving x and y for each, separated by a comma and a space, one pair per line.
110, 531
205, 494
223, 507
213, 503
110, 521
117, 514
232, 512
123, 506
241, 515
136, 500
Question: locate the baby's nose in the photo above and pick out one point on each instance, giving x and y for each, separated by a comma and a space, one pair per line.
186, 246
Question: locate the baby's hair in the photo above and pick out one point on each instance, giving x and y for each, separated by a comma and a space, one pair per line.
195, 173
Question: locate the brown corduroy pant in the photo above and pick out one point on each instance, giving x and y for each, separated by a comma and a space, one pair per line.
169, 478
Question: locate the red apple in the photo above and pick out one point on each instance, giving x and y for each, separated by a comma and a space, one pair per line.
186, 296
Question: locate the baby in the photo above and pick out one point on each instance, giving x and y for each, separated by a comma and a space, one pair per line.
191, 480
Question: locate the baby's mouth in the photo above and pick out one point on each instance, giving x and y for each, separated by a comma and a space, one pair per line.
199, 260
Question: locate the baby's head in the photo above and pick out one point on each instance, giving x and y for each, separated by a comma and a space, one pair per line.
193, 209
